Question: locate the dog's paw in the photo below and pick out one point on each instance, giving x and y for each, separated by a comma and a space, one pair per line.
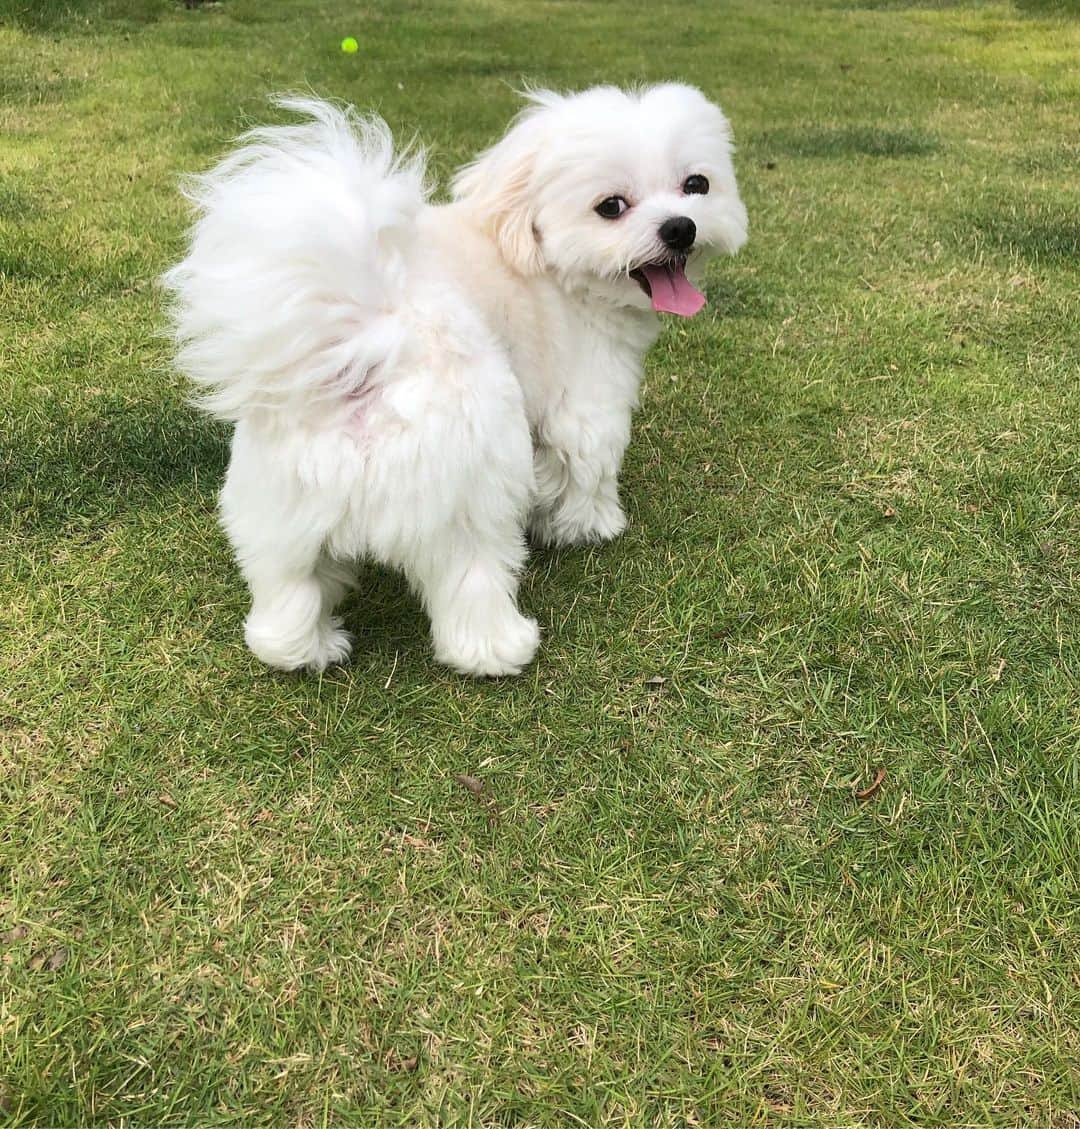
327, 644
498, 649
583, 522
333, 647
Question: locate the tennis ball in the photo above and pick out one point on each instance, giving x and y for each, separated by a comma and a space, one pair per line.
349, 45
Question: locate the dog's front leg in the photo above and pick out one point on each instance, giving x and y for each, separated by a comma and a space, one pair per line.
577, 456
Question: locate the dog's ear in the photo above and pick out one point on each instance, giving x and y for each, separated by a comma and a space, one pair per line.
500, 185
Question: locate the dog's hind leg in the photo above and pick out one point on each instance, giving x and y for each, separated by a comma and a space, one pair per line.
279, 533
446, 501
291, 624
469, 590
466, 555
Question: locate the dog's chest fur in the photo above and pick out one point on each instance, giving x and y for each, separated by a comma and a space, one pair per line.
567, 349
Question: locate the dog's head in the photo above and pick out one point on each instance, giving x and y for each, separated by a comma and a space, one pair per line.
616, 193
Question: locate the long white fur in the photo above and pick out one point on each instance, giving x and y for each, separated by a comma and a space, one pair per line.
294, 259
416, 384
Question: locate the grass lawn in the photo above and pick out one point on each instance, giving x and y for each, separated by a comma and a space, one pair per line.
231, 897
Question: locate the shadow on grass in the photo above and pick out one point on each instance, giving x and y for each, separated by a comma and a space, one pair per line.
16, 205
742, 297
847, 141
1038, 8
899, 5
384, 618
1035, 232
78, 15
70, 477
1061, 156
36, 89
75, 274
1048, 7
80, 473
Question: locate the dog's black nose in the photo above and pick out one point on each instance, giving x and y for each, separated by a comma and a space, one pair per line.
679, 233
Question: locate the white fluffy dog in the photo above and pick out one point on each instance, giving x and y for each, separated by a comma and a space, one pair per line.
420, 384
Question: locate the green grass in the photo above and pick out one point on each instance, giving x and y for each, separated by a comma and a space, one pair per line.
235, 898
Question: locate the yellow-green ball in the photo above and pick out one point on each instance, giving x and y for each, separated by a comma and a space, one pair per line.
349, 45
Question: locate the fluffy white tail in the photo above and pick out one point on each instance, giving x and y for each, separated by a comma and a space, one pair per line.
286, 298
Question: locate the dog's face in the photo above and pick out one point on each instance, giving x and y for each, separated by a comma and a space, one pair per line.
617, 194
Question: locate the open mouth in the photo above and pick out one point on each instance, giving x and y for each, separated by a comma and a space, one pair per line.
669, 288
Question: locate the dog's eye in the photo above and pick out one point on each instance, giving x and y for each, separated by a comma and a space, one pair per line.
695, 185
611, 208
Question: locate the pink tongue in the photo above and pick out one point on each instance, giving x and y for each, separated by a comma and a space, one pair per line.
672, 291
